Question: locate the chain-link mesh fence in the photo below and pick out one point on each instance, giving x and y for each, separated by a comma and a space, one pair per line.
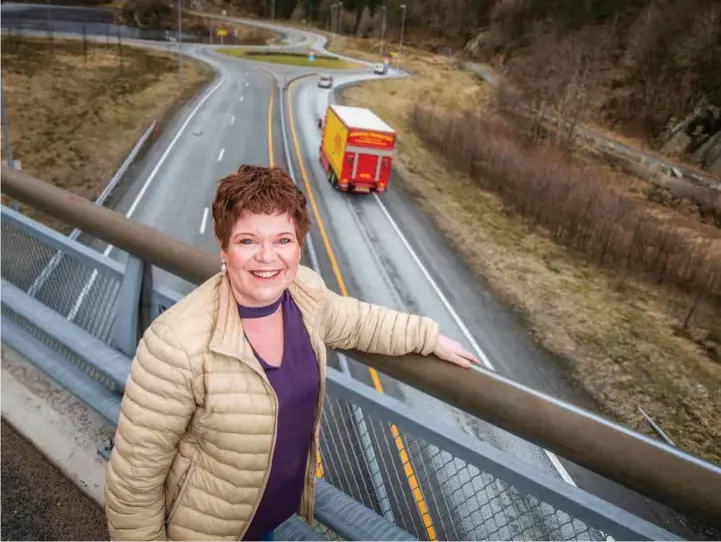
59, 280
432, 494
85, 295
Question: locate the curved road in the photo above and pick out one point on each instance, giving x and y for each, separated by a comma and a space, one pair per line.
386, 251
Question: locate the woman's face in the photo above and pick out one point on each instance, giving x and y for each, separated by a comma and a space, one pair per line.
262, 258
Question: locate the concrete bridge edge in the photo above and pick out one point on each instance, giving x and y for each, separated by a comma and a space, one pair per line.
65, 430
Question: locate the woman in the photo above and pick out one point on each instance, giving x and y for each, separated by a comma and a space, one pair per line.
218, 432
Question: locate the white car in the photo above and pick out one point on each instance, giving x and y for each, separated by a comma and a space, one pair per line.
325, 81
380, 68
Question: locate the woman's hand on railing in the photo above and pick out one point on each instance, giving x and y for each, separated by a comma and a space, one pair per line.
453, 352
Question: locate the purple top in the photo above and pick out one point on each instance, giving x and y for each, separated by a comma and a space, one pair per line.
296, 383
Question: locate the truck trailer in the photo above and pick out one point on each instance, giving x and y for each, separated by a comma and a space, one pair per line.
356, 149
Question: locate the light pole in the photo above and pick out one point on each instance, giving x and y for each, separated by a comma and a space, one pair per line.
383, 27
400, 45
180, 37
334, 18
340, 18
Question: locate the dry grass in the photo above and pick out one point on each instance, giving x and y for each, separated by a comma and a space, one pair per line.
237, 33
436, 81
73, 119
290, 59
622, 341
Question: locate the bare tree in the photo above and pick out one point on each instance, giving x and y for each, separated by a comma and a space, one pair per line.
365, 24
564, 80
298, 11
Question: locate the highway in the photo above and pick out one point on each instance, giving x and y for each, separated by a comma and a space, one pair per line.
377, 248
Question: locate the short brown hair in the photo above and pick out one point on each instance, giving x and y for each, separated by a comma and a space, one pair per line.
261, 190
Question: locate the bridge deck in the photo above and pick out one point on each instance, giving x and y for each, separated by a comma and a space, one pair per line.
38, 501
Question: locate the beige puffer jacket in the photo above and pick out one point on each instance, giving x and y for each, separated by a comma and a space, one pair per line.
196, 430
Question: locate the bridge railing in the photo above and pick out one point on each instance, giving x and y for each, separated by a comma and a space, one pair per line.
78, 312
432, 481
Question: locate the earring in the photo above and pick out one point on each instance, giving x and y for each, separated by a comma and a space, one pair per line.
222, 267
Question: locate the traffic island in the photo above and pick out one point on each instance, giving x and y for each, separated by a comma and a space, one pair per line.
300, 60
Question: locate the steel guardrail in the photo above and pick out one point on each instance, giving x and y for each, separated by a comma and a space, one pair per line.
663, 473
476, 491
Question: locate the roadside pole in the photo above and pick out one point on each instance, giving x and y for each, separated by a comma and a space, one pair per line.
6, 136
180, 39
383, 28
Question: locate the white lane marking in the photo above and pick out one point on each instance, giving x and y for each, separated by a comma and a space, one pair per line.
246, 84
93, 277
204, 221
457, 319
240, 99
232, 119
220, 154
164, 156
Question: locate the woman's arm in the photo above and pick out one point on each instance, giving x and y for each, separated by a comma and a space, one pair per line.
155, 411
353, 324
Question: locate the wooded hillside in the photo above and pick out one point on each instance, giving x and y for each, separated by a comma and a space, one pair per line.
646, 68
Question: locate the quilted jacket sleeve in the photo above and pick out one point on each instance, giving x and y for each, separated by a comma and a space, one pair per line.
155, 410
353, 324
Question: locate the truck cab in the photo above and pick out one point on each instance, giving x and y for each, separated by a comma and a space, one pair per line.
356, 149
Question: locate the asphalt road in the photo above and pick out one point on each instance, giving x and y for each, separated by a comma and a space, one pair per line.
387, 253
38, 502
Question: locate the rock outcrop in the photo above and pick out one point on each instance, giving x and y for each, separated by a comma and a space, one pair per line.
698, 135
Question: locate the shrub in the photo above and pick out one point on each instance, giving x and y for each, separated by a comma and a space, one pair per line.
577, 205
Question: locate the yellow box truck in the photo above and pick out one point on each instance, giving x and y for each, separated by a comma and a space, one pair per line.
356, 149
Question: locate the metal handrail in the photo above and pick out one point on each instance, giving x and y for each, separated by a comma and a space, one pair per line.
661, 472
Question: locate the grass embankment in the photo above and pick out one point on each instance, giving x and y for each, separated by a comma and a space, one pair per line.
292, 59
74, 115
619, 329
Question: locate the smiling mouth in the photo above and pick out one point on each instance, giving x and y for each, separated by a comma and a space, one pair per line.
265, 274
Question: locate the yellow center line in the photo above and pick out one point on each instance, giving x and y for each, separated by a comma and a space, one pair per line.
405, 459
319, 467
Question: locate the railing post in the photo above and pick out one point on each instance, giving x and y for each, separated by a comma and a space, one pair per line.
134, 306
368, 452
145, 307
8, 151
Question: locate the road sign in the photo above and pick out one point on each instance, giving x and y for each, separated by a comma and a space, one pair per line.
221, 32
